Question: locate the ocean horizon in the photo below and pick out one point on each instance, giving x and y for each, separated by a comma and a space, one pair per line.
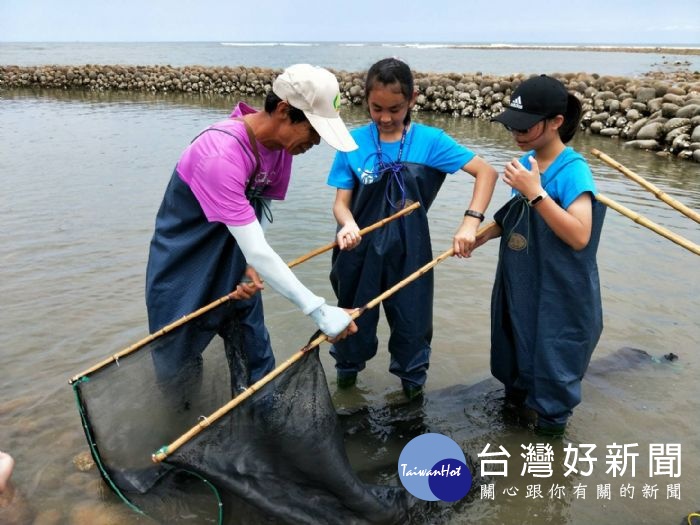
441, 43
84, 174
495, 58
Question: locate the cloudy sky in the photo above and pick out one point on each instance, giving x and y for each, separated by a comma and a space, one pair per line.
509, 21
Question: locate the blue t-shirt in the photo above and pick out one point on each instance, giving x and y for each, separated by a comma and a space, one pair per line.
423, 145
566, 178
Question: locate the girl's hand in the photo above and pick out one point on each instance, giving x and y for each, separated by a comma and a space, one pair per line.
349, 236
526, 182
492, 233
480, 241
464, 240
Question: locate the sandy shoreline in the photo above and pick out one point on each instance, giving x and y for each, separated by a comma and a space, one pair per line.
665, 50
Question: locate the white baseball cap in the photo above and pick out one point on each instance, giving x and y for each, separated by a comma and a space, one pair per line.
315, 91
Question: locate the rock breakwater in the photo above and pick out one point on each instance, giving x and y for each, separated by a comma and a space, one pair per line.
659, 112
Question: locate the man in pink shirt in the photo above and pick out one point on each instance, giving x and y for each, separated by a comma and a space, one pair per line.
209, 233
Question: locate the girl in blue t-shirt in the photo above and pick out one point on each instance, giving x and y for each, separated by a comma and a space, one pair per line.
546, 313
398, 162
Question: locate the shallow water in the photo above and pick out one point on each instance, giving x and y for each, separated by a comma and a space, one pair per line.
83, 175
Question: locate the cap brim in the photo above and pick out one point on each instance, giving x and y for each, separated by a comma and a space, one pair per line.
517, 119
333, 131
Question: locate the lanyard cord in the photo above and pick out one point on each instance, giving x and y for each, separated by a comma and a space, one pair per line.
393, 168
378, 143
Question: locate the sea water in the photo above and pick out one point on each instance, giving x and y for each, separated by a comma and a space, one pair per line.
83, 175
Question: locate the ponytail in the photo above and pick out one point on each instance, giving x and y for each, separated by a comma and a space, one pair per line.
572, 117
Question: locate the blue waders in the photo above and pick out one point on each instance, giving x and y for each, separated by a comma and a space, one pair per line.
193, 262
382, 259
546, 312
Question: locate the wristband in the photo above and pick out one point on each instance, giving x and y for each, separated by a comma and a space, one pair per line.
542, 196
475, 214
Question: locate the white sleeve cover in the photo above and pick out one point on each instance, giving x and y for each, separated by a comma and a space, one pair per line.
258, 253
265, 222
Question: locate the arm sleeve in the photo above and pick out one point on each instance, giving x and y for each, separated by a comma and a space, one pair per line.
258, 253
265, 220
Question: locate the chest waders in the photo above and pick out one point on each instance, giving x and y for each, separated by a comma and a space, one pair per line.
546, 311
383, 258
193, 262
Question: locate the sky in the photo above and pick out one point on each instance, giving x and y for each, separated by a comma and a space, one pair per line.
639, 22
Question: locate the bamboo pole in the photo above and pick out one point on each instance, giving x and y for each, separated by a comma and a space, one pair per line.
204, 309
364, 231
639, 219
155, 335
205, 422
648, 186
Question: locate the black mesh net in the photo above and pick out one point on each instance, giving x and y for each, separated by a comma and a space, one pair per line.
282, 451
278, 457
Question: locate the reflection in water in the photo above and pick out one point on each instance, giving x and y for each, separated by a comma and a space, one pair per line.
83, 176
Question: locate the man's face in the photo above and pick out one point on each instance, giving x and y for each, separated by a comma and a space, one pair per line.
298, 138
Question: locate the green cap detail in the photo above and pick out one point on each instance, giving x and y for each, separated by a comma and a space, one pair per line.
336, 102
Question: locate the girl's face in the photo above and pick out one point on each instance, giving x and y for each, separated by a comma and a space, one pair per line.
538, 135
388, 108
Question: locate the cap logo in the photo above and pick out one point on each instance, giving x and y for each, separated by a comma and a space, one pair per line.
516, 103
336, 102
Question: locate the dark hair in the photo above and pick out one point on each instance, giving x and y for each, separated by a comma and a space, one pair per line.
295, 115
391, 71
572, 117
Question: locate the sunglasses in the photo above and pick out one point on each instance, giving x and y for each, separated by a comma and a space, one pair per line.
522, 131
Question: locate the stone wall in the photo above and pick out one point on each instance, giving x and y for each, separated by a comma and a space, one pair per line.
658, 112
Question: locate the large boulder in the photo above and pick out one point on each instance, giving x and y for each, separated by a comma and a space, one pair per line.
643, 144
672, 135
645, 94
688, 111
674, 99
675, 123
695, 135
655, 104
669, 110
651, 131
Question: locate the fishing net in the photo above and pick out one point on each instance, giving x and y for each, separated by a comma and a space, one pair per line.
278, 457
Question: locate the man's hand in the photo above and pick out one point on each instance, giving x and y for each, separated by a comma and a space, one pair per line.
249, 286
335, 322
350, 330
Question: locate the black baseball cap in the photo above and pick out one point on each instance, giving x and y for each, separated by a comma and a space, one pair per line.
536, 99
